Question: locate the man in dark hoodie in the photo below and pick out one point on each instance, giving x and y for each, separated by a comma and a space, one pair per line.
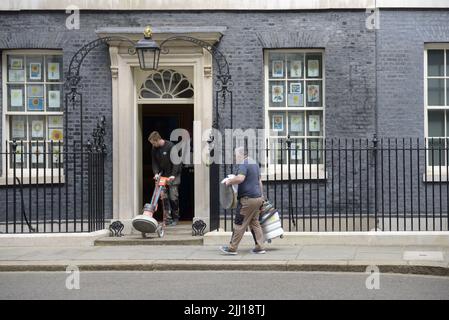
163, 165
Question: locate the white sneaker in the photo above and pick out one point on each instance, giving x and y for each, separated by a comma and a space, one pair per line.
258, 251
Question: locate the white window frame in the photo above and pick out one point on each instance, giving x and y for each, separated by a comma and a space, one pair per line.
275, 170
37, 174
436, 177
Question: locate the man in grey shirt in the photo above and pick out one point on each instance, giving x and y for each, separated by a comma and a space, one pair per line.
250, 200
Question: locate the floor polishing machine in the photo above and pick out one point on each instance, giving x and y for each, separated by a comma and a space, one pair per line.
145, 223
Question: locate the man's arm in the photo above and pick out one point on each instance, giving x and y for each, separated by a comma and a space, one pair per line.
261, 186
154, 164
240, 177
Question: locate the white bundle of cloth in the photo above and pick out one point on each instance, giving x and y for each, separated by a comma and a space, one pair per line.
228, 194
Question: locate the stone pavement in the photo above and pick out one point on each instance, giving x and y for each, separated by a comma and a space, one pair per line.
409, 259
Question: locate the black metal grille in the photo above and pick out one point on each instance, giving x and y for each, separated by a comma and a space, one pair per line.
389, 184
47, 191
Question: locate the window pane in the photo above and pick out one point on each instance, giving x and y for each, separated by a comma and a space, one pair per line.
296, 123
278, 123
54, 97
18, 128
54, 68
314, 63
436, 152
34, 68
277, 93
276, 65
16, 97
35, 97
16, 69
314, 93
36, 127
436, 123
295, 97
19, 158
297, 152
37, 155
435, 92
55, 155
55, 128
278, 151
295, 65
435, 62
314, 151
314, 123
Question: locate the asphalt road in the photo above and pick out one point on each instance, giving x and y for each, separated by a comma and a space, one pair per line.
219, 285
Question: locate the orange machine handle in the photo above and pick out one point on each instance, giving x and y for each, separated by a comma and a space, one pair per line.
163, 181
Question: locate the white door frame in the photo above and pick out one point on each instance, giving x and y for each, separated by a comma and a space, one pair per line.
126, 135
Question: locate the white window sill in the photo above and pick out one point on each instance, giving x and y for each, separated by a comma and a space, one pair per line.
436, 177
316, 173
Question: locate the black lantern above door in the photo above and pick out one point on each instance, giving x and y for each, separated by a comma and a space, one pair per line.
148, 51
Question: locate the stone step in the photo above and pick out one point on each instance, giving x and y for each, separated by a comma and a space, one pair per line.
178, 235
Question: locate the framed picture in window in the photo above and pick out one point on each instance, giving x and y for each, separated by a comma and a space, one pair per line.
295, 100
296, 69
37, 129
277, 93
295, 87
54, 99
278, 122
16, 64
296, 123
16, 75
314, 123
55, 121
35, 91
35, 71
277, 68
36, 104
53, 71
313, 93
16, 98
313, 68
18, 128
55, 134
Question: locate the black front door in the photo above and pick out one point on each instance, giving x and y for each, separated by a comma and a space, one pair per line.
164, 119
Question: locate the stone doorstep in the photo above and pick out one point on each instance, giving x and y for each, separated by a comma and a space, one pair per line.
138, 241
177, 235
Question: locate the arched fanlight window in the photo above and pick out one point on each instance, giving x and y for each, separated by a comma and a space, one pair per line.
166, 84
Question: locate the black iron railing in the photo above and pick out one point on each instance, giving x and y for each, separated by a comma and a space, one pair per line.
45, 189
388, 184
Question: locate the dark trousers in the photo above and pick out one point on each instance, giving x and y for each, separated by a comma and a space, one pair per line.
170, 200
